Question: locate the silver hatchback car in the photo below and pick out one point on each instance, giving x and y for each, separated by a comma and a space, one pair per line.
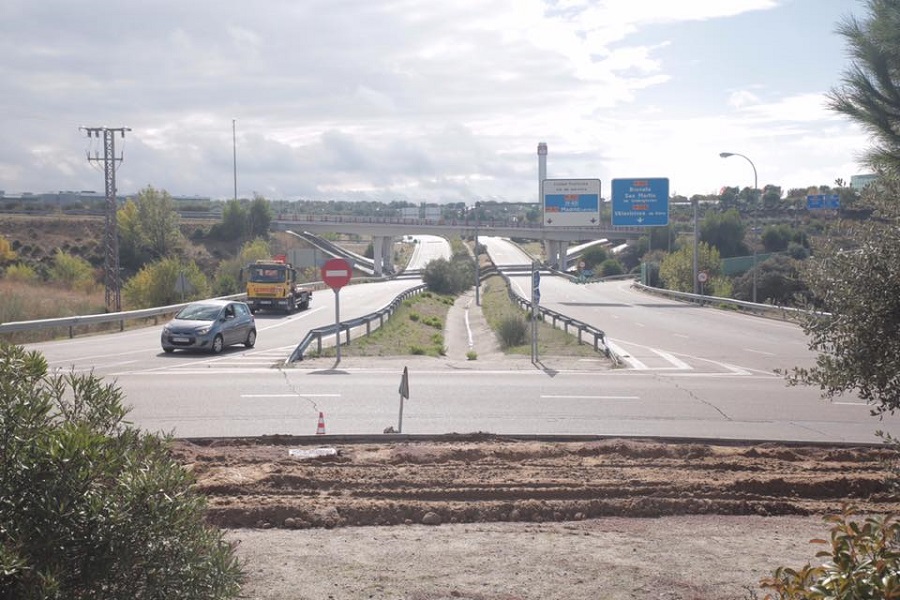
210, 325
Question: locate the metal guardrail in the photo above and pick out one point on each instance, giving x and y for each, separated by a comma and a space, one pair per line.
117, 317
581, 328
770, 310
345, 327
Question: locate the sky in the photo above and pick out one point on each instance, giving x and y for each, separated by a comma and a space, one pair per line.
422, 100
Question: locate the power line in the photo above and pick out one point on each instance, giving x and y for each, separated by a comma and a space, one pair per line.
110, 233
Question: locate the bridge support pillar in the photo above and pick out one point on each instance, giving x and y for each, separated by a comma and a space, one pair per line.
377, 252
383, 254
387, 254
556, 253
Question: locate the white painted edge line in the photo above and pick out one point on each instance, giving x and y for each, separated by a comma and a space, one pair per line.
751, 350
469, 329
550, 397
290, 395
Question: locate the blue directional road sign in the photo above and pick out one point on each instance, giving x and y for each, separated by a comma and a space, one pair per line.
640, 202
571, 202
823, 201
536, 287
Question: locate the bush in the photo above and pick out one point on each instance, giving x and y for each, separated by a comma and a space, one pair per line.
21, 273
156, 284
73, 272
864, 562
512, 331
91, 507
449, 277
611, 267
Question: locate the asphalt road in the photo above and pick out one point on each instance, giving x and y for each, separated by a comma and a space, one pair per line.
693, 372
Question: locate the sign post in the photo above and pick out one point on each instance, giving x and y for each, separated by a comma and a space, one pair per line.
535, 301
404, 393
336, 273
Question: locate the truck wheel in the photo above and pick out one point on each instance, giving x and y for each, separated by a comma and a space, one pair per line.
304, 305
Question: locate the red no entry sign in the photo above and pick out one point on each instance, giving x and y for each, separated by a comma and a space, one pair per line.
336, 273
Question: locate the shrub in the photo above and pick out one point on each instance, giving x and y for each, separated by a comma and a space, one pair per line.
512, 331
91, 507
449, 277
611, 267
414, 317
417, 350
73, 272
21, 273
6, 251
471, 355
156, 284
864, 562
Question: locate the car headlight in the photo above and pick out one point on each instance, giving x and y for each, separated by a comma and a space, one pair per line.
203, 330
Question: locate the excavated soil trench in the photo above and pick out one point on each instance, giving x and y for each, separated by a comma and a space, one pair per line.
259, 484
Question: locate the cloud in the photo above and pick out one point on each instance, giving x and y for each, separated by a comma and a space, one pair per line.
394, 99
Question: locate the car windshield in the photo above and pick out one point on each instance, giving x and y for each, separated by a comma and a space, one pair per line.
267, 275
199, 312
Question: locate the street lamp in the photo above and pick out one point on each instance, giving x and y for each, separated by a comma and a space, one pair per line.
755, 193
477, 266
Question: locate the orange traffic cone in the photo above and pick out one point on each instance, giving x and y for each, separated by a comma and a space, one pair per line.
320, 430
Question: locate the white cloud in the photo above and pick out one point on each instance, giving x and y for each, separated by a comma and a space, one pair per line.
388, 98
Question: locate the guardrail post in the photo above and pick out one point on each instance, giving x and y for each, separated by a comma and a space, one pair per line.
580, 329
122, 325
71, 331
319, 344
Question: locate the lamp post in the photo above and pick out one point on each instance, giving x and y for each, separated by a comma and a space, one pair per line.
477, 265
756, 194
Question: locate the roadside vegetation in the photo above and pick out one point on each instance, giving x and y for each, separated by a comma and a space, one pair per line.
512, 325
91, 507
416, 328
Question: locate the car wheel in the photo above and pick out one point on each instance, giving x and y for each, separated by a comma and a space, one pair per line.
168, 350
251, 339
218, 344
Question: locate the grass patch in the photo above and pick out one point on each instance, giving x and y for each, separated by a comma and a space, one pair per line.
410, 331
499, 310
32, 301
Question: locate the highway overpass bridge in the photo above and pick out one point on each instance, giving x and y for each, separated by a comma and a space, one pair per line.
383, 230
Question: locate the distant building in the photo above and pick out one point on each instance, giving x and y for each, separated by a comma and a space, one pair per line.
858, 182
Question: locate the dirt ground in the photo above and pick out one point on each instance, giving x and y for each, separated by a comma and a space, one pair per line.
487, 518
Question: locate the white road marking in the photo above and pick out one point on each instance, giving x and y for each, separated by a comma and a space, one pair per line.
679, 364
758, 352
632, 362
591, 397
290, 395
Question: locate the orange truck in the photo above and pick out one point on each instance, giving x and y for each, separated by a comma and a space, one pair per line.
272, 285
